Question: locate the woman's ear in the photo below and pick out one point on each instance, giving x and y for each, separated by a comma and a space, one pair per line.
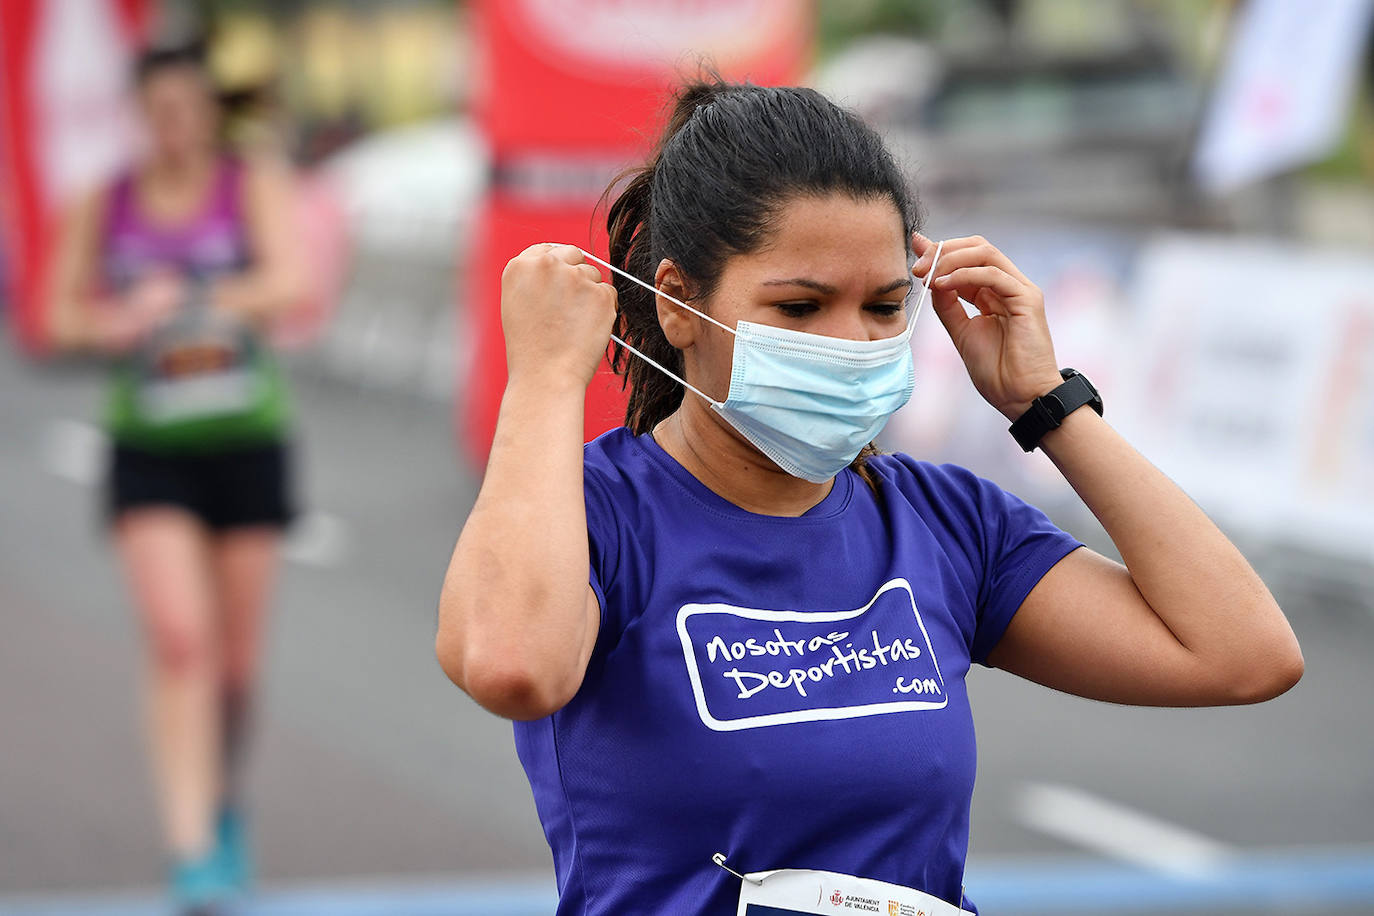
677, 323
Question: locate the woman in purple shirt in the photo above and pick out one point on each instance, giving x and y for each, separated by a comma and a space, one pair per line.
733, 626
174, 271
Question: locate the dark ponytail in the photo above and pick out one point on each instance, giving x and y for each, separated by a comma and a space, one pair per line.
653, 396
731, 155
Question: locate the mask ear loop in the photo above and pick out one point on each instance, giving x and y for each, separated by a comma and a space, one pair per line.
925, 289
648, 359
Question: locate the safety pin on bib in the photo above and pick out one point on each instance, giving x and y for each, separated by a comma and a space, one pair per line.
719, 859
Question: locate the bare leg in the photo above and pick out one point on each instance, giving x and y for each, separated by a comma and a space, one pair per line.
245, 563
165, 552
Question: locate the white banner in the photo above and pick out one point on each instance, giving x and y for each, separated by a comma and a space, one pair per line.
1252, 374
1243, 368
1284, 90
81, 73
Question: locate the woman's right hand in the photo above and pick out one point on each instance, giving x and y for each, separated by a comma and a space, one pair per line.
556, 313
140, 311
156, 296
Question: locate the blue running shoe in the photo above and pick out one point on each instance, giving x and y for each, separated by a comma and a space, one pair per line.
231, 840
198, 884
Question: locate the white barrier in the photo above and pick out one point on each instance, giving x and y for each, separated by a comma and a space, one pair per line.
1252, 385
1243, 368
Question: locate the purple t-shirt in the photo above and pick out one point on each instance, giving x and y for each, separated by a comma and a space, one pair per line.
787, 691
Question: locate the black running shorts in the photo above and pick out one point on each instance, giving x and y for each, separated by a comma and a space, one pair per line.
242, 487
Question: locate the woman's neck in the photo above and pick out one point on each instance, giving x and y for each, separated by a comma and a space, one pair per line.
171, 190
727, 464
183, 169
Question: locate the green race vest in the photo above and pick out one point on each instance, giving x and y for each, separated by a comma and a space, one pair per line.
203, 383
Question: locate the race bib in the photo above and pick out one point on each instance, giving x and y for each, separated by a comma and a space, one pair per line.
197, 368
791, 892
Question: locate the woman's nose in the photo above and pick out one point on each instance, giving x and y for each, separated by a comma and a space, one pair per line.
848, 324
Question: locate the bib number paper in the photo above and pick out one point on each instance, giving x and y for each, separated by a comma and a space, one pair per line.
197, 368
789, 892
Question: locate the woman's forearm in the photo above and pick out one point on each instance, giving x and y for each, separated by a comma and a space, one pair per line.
1190, 574
89, 325
256, 296
512, 613
71, 326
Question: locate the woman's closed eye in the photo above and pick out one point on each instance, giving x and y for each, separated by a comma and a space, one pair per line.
806, 308
798, 309
885, 309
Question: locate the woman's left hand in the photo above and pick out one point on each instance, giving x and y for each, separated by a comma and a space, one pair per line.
1006, 348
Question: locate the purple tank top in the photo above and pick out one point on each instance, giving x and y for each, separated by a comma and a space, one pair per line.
211, 242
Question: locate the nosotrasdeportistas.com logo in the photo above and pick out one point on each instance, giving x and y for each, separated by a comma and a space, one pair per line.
753, 668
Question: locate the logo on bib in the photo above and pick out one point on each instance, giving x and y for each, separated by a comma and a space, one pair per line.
753, 668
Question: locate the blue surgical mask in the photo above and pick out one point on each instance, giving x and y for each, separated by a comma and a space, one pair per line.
807, 401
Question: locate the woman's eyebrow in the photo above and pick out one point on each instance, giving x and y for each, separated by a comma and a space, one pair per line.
817, 285
829, 290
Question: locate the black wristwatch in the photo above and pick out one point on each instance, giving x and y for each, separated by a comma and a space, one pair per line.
1046, 413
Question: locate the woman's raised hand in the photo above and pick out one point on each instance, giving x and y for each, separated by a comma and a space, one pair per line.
146, 306
1006, 347
556, 314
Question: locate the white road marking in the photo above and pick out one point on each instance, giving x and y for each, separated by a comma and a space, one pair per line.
318, 539
72, 450
1122, 833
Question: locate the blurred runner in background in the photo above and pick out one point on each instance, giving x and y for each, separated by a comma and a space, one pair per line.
175, 269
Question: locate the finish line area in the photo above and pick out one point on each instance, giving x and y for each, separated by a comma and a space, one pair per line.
1305, 879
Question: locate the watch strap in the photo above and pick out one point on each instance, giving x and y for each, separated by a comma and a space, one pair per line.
1047, 412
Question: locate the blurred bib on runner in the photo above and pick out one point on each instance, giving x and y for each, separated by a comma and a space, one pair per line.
203, 380
200, 365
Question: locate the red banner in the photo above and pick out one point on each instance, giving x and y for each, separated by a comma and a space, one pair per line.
64, 128
568, 93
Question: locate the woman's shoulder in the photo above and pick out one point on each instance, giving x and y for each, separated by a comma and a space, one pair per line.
107, 196
628, 475
620, 481
903, 471
953, 497
614, 459
947, 492
608, 446
256, 175
255, 165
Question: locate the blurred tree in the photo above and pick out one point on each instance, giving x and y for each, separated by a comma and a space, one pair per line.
842, 21
1354, 158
